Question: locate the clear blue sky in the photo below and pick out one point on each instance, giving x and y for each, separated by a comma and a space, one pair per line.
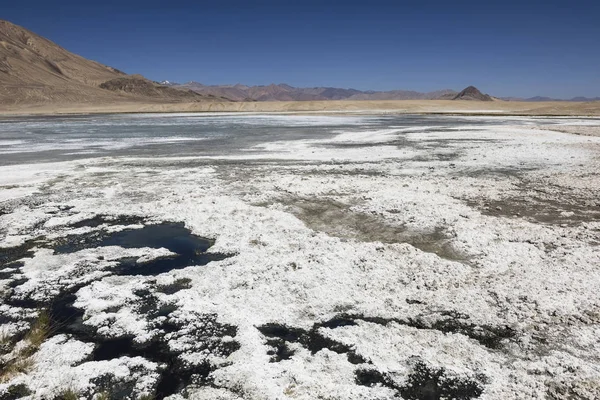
506, 48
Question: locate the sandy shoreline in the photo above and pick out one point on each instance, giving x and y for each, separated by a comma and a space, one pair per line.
374, 107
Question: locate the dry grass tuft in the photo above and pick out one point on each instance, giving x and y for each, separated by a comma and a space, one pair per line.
21, 362
14, 367
102, 396
40, 331
5, 344
67, 394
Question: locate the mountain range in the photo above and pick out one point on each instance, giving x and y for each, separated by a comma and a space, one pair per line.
34, 70
284, 92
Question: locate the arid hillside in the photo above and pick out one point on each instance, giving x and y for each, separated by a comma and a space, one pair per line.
139, 86
34, 70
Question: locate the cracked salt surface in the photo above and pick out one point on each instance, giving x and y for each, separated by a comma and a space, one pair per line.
362, 257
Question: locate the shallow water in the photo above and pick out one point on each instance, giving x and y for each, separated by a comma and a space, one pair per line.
39, 139
65, 318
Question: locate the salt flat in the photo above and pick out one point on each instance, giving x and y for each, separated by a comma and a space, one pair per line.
299, 256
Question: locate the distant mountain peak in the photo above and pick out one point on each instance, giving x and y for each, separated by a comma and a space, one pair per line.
472, 93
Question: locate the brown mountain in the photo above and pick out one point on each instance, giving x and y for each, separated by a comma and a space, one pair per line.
273, 92
283, 92
471, 93
140, 86
233, 92
35, 70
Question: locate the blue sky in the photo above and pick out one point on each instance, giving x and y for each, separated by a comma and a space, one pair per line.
506, 48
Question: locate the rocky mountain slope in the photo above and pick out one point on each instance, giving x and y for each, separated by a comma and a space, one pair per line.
35, 70
470, 93
140, 86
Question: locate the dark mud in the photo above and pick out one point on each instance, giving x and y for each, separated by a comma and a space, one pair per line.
445, 150
170, 235
492, 337
9, 256
336, 219
176, 286
175, 374
450, 143
278, 337
425, 383
541, 208
189, 249
437, 156
10, 271
202, 333
110, 220
15, 392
